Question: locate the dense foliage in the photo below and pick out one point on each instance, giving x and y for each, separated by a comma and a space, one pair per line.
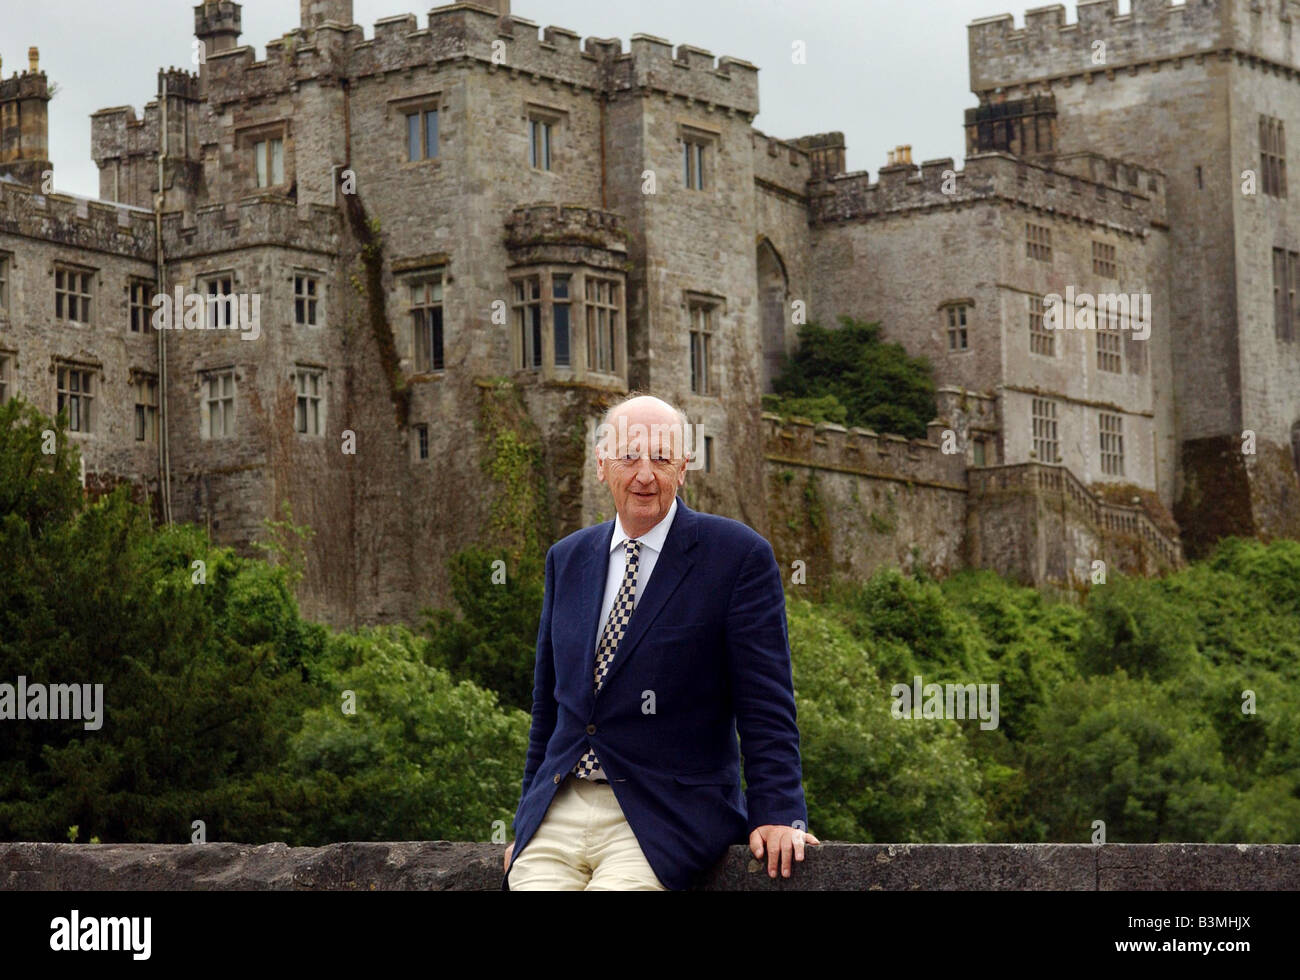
851, 376
224, 705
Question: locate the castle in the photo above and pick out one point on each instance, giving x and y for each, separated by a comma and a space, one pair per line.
420, 213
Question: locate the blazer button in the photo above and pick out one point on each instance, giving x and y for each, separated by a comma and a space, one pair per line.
591, 729
557, 777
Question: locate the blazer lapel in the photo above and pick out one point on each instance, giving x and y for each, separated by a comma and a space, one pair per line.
674, 562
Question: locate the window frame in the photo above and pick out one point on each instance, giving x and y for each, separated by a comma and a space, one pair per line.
1110, 355
213, 316
8, 364
1045, 429
1039, 335
428, 319
1110, 428
541, 125
1038, 242
310, 385
6, 283
307, 307
601, 328
81, 396
65, 297
139, 304
144, 388
1104, 261
1286, 294
698, 156
229, 400
957, 326
420, 116
264, 162
528, 318
1272, 156
702, 326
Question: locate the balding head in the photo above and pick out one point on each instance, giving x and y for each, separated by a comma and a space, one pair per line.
641, 449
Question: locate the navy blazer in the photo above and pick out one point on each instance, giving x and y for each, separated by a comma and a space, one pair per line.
706, 655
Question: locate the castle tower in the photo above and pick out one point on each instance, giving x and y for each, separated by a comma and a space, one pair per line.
1205, 93
217, 23
24, 123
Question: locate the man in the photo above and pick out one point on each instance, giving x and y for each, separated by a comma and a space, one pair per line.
663, 634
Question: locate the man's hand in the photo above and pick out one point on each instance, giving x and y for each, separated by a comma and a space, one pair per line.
510, 849
784, 846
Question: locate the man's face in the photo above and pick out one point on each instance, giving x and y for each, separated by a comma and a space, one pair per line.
642, 457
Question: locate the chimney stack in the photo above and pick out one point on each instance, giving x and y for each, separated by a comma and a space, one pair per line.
25, 124
218, 24
314, 13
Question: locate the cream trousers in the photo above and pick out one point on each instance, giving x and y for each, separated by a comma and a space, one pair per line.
584, 843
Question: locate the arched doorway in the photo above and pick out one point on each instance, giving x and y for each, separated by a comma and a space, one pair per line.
773, 295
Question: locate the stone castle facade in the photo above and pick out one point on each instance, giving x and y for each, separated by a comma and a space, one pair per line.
421, 213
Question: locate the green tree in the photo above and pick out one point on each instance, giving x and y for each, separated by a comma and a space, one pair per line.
418, 757
878, 384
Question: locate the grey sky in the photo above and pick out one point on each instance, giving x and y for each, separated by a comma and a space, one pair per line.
885, 72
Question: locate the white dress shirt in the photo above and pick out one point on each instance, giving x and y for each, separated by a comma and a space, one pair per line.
652, 543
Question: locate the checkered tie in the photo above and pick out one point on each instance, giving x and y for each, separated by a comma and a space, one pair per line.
615, 627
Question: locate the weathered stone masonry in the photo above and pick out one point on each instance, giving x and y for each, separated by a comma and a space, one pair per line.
447, 193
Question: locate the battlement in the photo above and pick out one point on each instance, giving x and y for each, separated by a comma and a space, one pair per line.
825, 445
474, 33
783, 164
566, 233
826, 152
256, 221
27, 85
77, 222
1102, 40
1082, 186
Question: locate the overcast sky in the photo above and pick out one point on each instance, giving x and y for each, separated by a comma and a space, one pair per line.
885, 72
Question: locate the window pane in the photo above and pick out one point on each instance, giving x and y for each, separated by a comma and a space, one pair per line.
413, 137
259, 153
431, 133
561, 313
436, 315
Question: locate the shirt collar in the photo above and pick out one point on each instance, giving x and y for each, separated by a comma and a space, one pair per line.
653, 538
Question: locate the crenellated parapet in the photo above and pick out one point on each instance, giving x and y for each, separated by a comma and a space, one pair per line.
783, 166
1084, 187
1102, 41
77, 222
252, 222
827, 446
538, 233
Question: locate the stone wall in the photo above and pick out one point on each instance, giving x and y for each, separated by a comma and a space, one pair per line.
449, 866
1181, 88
